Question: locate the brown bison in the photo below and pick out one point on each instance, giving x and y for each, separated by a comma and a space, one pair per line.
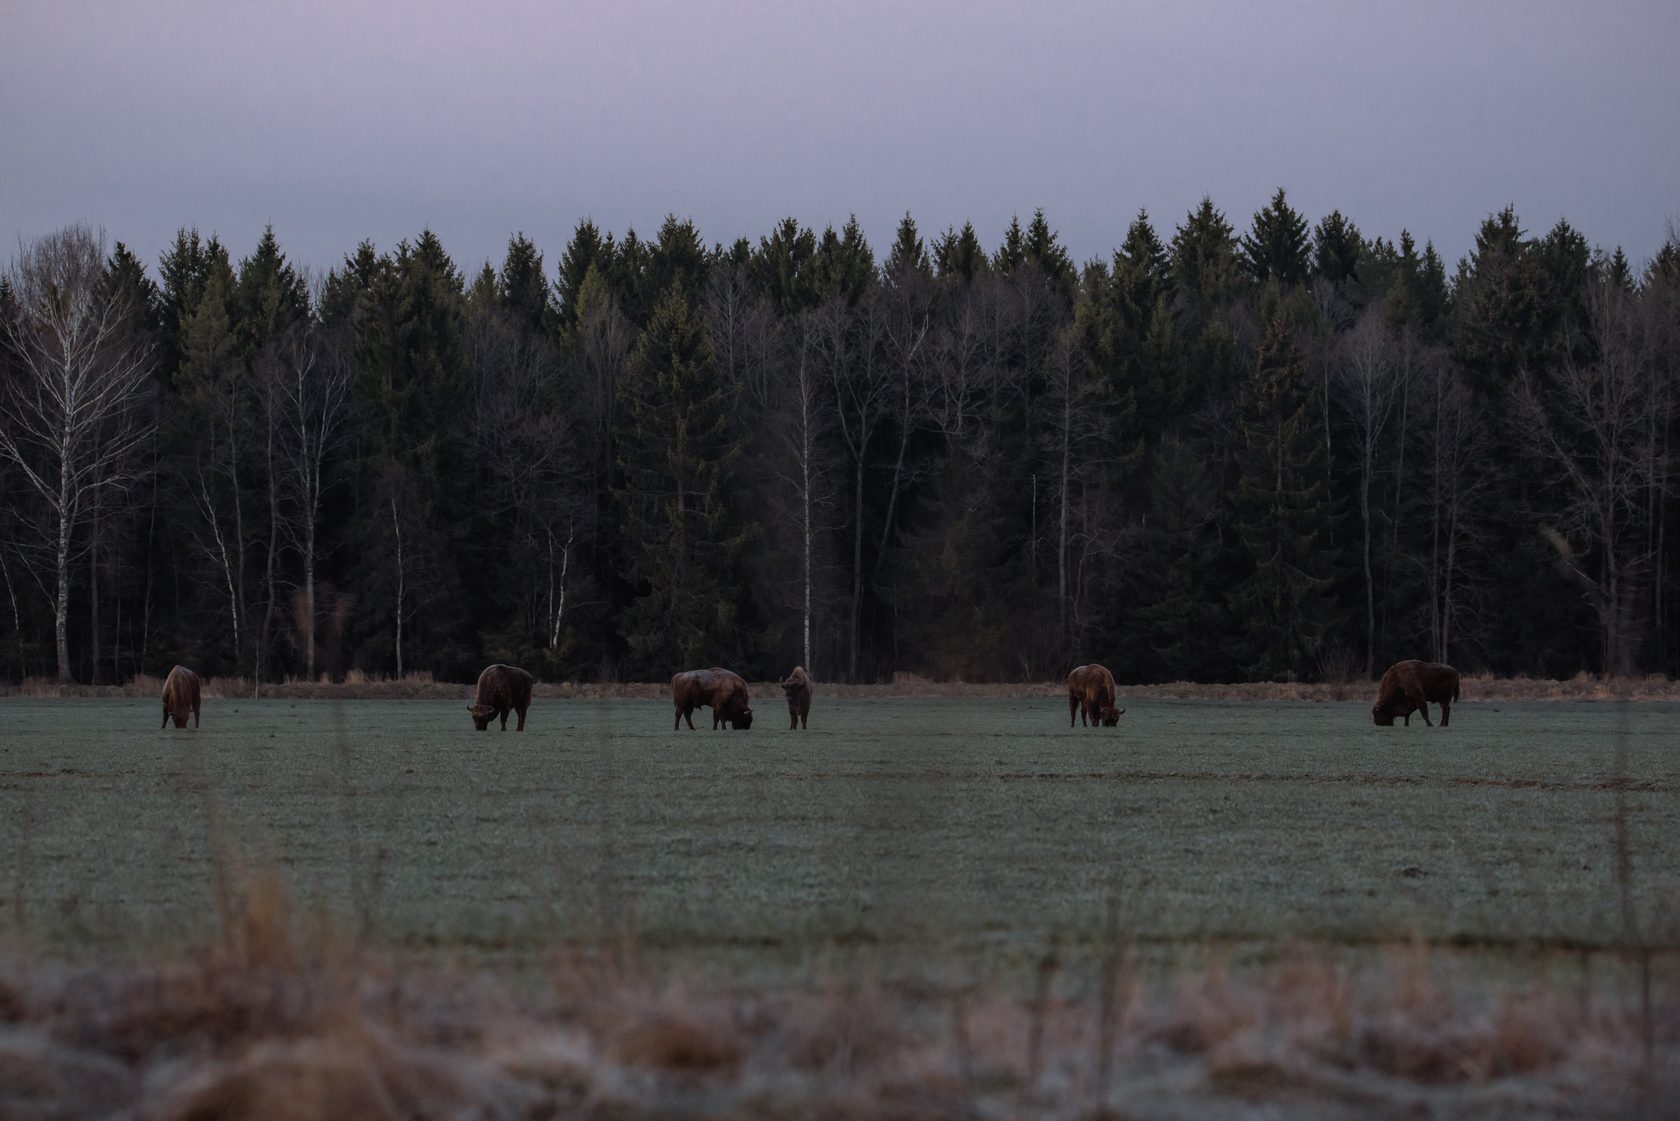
501, 690
181, 691
1409, 686
723, 691
1091, 697
798, 690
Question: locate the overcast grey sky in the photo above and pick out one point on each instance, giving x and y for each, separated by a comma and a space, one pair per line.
345, 120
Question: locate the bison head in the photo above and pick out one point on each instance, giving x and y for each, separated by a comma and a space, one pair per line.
179, 715
481, 715
743, 720
1110, 716
1381, 716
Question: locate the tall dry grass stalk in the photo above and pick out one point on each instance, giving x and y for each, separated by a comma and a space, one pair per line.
277, 1018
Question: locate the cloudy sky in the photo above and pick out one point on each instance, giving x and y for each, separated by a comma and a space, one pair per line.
353, 119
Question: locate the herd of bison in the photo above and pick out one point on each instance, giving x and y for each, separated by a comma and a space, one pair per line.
1406, 687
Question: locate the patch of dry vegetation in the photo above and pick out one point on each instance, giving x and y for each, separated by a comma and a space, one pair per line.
280, 1019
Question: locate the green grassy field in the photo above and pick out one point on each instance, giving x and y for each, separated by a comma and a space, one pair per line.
901, 830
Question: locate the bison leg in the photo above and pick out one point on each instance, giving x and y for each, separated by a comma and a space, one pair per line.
1446, 712
1073, 710
521, 727
165, 723
1423, 710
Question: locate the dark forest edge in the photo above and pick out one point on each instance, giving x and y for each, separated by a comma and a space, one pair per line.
1291, 454
1482, 688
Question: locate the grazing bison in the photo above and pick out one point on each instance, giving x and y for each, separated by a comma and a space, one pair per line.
798, 690
1091, 697
181, 691
721, 690
501, 690
1409, 686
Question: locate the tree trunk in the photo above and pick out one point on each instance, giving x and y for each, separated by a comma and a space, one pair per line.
61, 601
1062, 527
396, 528
266, 639
857, 576
805, 508
93, 597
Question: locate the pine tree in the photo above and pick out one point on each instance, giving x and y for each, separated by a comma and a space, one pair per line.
676, 459
1283, 517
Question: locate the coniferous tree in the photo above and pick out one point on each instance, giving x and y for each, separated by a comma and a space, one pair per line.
683, 542
1283, 518
1337, 246
585, 251
958, 255
521, 288
1203, 263
1276, 248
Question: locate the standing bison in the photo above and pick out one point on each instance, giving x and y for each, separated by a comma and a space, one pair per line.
1091, 697
1409, 686
181, 692
798, 690
501, 690
723, 691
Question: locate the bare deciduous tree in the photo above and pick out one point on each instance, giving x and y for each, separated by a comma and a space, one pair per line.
1369, 383
309, 375
1589, 428
73, 419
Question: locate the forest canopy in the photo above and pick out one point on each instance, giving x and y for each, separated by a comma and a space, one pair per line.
1282, 451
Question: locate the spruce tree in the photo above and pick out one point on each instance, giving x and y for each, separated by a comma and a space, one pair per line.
521, 287
958, 255
676, 461
781, 267
1337, 246
844, 264
585, 251
1276, 247
1283, 517
1203, 264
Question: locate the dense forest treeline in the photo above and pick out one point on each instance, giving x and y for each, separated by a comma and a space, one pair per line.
1290, 451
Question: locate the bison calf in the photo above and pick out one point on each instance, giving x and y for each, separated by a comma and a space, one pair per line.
501, 690
1409, 686
1091, 697
181, 691
798, 690
721, 690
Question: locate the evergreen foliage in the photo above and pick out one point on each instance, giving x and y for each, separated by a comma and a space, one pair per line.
941, 460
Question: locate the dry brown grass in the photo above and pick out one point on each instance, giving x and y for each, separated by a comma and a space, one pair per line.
277, 1018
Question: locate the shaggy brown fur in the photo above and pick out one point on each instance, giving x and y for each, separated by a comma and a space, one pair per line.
1091, 697
798, 690
501, 690
181, 692
1409, 686
723, 691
